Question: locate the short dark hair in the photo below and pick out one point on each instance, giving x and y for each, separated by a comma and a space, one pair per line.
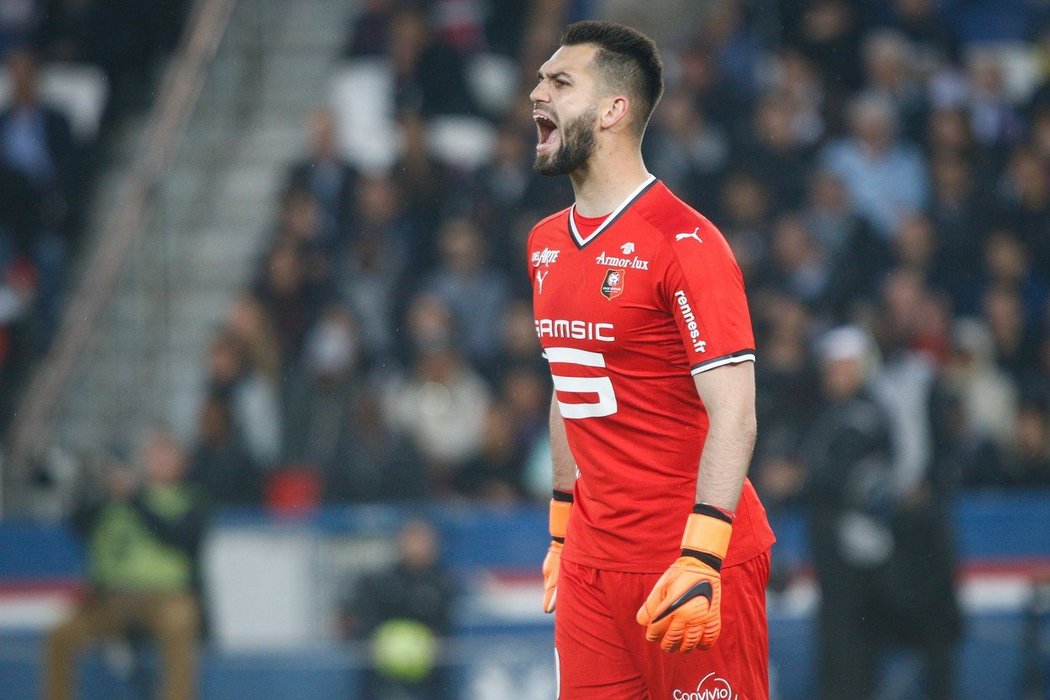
626, 59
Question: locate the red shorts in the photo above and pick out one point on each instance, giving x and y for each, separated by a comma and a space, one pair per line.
601, 651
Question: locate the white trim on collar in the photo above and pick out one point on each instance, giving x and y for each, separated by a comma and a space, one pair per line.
580, 241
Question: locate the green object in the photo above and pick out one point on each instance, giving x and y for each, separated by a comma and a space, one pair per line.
125, 555
404, 650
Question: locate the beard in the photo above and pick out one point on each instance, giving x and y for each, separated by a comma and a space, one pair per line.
578, 141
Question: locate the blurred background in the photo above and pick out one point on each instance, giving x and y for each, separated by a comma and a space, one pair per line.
263, 300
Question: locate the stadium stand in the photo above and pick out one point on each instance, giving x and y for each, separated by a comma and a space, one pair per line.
340, 330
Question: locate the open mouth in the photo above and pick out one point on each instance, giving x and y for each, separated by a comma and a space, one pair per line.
547, 132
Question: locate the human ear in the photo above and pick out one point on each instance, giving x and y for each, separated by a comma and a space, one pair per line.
615, 112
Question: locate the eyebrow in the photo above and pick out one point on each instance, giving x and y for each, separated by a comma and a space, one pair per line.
554, 75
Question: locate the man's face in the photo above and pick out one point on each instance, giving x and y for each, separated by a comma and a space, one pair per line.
565, 111
842, 378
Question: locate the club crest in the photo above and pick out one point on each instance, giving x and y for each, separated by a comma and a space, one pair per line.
612, 285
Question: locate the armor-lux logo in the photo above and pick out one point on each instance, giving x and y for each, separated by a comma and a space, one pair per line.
634, 263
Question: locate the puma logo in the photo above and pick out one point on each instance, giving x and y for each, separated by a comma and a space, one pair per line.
539, 279
694, 234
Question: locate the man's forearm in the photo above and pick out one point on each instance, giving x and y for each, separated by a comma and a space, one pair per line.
563, 463
729, 396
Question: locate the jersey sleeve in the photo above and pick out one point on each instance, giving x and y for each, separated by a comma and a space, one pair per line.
704, 291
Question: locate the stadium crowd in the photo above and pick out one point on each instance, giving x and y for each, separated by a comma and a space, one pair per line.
875, 164
882, 164
46, 165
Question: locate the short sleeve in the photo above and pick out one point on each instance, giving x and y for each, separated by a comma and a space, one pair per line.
704, 291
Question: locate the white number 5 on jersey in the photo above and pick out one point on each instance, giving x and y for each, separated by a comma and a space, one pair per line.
602, 386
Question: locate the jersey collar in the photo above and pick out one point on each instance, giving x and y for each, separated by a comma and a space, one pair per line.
580, 241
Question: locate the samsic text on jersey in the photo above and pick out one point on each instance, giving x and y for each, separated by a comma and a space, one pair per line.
626, 315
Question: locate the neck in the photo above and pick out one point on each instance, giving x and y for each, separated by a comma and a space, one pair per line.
611, 174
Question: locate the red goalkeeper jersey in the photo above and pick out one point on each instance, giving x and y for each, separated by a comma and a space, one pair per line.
626, 314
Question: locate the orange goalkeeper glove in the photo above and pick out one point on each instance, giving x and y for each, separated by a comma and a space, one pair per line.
561, 506
683, 610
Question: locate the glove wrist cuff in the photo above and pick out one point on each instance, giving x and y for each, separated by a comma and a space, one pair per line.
559, 517
707, 534
705, 558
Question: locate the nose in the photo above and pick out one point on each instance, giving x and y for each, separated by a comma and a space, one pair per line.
538, 94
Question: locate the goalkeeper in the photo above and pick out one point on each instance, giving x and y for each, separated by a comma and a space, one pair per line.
659, 551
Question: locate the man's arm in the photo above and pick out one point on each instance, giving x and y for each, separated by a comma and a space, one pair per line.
562, 461
683, 611
564, 478
728, 393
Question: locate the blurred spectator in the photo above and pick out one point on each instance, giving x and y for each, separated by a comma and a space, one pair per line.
143, 539
383, 463
459, 23
985, 401
443, 403
957, 212
324, 172
795, 80
948, 132
1026, 459
703, 82
292, 300
499, 186
1026, 202
924, 24
36, 143
885, 177
429, 73
922, 611
404, 611
1007, 264
797, 263
849, 490
916, 247
778, 156
321, 410
856, 254
125, 38
505, 24
785, 401
220, 461
519, 345
475, 293
744, 213
370, 29
996, 121
828, 32
248, 321
303, 223
251, 399
1015, 348
912, 317
19, 22
735, 43
889, 66
688, 151
18, 285
379, 250
426, 189
495, 473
